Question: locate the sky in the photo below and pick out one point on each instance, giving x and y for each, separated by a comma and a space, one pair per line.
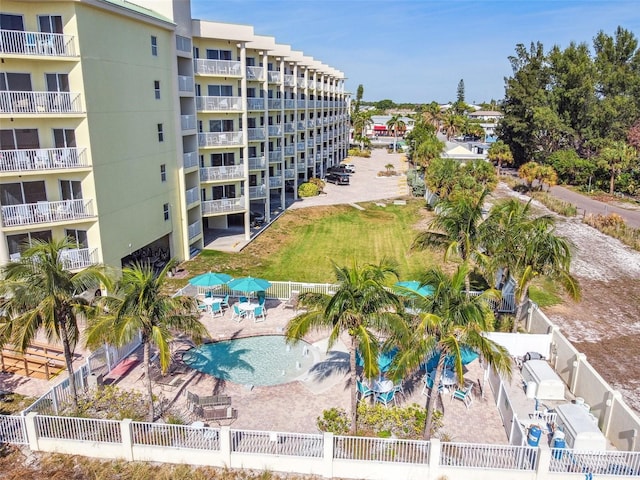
417, 51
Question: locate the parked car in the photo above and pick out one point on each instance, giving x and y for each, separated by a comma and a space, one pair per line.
337, 178
257, 218
349, 167
337, 169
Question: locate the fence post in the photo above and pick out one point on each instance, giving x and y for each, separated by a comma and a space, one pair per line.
435, 448
54, 398
544, 461
529, 316
127, 439
613, 397
225, 445
580, 357
327, 455
32, 434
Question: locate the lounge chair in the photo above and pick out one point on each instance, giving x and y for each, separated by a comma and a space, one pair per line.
242, 299
238, 314
386, 398
216, 309
216, 412
194, 400
292, 302
364, 391
225, 301
258, 312
465, 395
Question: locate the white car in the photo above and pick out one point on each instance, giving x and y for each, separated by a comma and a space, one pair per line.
349, 167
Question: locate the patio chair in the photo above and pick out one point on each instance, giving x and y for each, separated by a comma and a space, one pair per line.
262, 298
399, 388
217, 413
364, 391
243, 299
292, 302
225, 301
465, 395
202, 307
386, 398
238, 314
259, 312
216, 309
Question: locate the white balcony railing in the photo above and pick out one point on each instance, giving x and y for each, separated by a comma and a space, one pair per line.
256, 134
289, 80
259, 191
185, 83
188, 122
275, 130
255, 73
274, 104
275, 156
311, 123
301, 146
217, 139
218, 104
290, 127
45, 212
310, 142
42, 159
301, 167
301, 82
12, 101
257, 163
275, 182
289, 103
273, 76
192, 195
190, 159
78, 258
289, 150
37, 43
194, 229
302, 104
301, 125
289, 174
217, 67
225, 205
225, 172
255, 103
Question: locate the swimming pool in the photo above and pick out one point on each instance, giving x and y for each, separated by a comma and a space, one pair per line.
262, 361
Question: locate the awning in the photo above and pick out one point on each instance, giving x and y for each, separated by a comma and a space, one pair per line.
379, 128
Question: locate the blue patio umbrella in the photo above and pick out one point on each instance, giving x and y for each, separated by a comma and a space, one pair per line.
468, 355
210, 279
413, 286
384, 359
249, 284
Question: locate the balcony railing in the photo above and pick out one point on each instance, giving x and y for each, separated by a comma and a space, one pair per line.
274, 104
37, 43
226, 172
42, 159
217, 139
289, 80
289, 150
256, 134
222, 104
290, 127
255, 103
310, 142
301, 125
255, 73
78, 258
259, 191
190, 159
188, 122
225, 205
217, 67
289, 103
257, 163
273, 76
275, 156
275, 130
289, 174
300, 81
311, 123
301, 146
12, 101
302, 104
301, 166
45, 212
275, 182
185, 83
194, 230
192, 195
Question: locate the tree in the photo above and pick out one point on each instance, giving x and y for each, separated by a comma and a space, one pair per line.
396, 123
451, 124
449, 320
361, 121
432, 115
633, 136
361, 307
529, 172
42, 294
460, 92
617, 158
384, 105
500, 153
528, 247
427, 150
570, 167
546, 174
140, 306
359, 95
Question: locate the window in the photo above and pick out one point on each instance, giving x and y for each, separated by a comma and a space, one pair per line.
156, 88
221, 125
251, 62
218, 54
160, 133
57, 82
50, 23
251, 92
165, 211
64, 138
77, 237
219, 159
13, 139
163, 172
17, 243
71, 189
154, 45
219, 90
21, 193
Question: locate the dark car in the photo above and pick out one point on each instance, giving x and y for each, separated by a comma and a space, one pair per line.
337, 178
338, 169
257, 218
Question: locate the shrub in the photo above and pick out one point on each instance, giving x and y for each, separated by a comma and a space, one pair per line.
403, 422
318, 182
614, 226
109, 402
356, 152
563, 208
334, 420
308, 189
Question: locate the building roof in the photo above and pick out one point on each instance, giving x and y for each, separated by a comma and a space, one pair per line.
138, 9
485, 113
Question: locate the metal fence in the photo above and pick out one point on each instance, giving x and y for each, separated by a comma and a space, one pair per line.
82, 429
179, 436
12, 430
595, 463
381, 449
509, 457
277, 443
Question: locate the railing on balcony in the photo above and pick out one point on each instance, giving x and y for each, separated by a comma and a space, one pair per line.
256, 134
289, 103
217, 67
273, 76
12, 101
217, 139
255, 103
275, 156
301, 125
44, 212
185, 83
289, 80
77, 258
188, 122
311, 123
275, 182
289, 174
257, 163
225, 205
275, 130
310, 162
183, 44
301, 104
259, 191
301, 166
192, 195
190, 159
42, 159
223, 104
274, 104
228, 172
37, 43
310, 142
194, 229
301, 146
289, 150
319, 122
255, 73
300, 81
290, 127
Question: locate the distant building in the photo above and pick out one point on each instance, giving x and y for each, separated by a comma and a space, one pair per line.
486, 115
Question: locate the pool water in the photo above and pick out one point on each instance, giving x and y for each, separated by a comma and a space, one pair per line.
262, 361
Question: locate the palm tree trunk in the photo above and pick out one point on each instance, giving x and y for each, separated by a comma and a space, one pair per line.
520, 303
147, 376
354, 388
612, 182
431, 399
68, 359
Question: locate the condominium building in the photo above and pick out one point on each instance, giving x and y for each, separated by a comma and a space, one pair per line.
139, 132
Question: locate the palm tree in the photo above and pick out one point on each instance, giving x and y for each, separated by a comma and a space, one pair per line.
139, 306
43, 295
360, 121
427, 150
616, 158
456, 227
360, 307
432, 115
529, 248
449, 320
451, 124
396, 123
500, 153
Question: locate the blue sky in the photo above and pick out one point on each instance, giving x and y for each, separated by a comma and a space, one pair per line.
418, 51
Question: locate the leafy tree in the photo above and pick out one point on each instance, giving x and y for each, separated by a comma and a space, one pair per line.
361, 121
452, 124
570, 167
384, 105
359, 94
140, 306
633, 136
361, 307
449, 320
427, 150
42, 294
500, 153
529, 172
483, 175
546, 174
432, 115
440, 176
617, 158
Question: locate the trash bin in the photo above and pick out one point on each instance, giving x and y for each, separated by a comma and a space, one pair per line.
533, 439
558, 445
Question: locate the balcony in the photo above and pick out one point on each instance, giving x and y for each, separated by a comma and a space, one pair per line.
289, 103
310, 162
185, 83
311, 123
318, 140
301, 166
192, 195
46, 212
275, 156
220, 139
255, 103
188, 122
224, 68
290, 128
275, 182
194, 229
259, 191
275, 130
219, 104
274, 104
310, 143
17, 102
302, 104
301, 147
257, 163
302, 125
222, 173
289, 81
190, 159
289, 150
273, 76
256, 134
289, 174
225, 205
37, 160
14, 42
255, 73
318, 122
78, 258
300, 81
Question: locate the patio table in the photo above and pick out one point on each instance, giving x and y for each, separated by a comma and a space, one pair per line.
448, 378
382, 386
248, 307
209, 301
